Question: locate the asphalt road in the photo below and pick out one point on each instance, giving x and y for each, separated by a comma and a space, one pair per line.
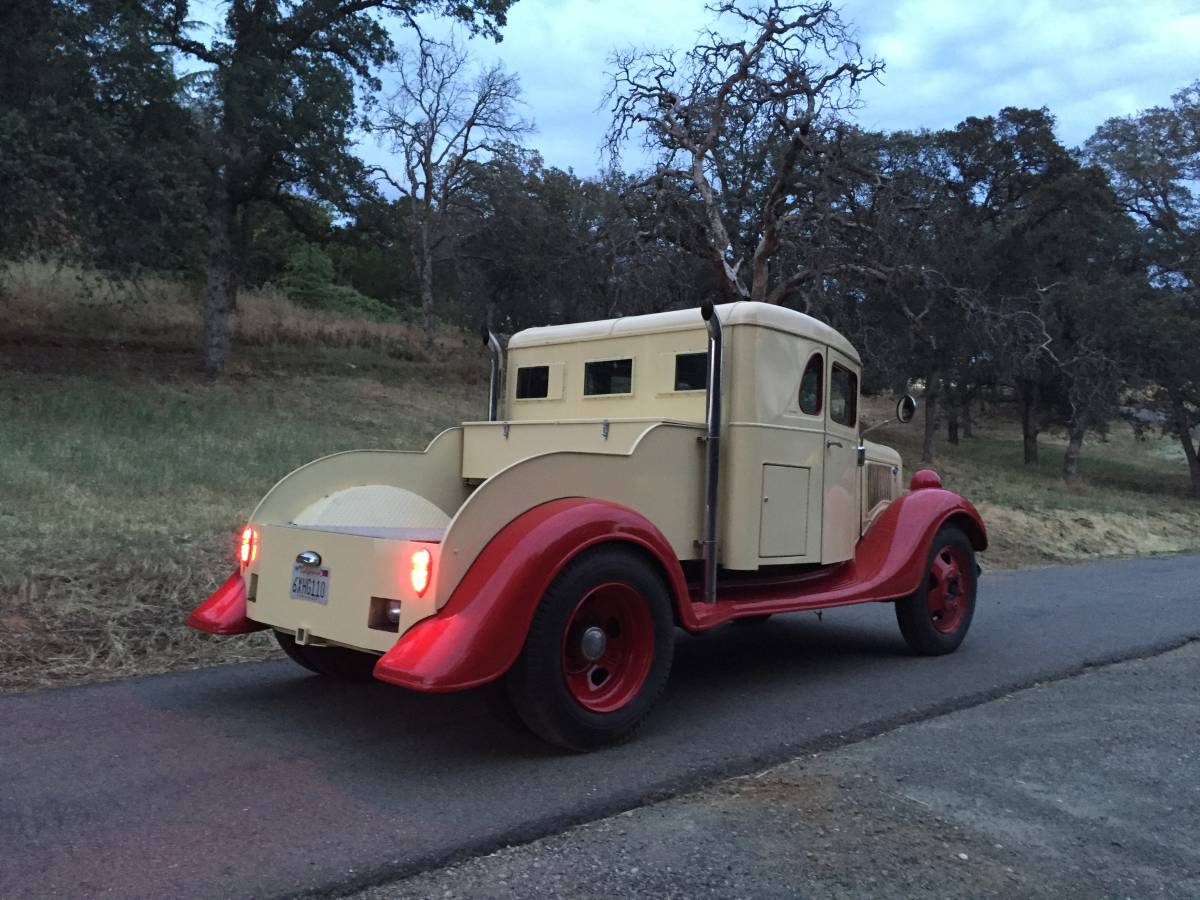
1084, 788
260, 780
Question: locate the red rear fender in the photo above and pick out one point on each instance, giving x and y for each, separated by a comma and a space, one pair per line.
479, 632
224, 612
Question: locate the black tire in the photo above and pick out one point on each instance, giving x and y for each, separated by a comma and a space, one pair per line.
537, 683
341, 663
927, 631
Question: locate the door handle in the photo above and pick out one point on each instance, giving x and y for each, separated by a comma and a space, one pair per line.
829, 444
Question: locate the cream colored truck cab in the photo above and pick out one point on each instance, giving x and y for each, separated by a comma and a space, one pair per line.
792, 489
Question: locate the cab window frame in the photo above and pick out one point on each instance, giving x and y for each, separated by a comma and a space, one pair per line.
819, 358
851, 398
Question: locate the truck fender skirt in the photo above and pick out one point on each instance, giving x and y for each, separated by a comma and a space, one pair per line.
224, 612
479, 632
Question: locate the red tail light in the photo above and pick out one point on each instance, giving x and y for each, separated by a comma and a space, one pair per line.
422, 569
249, 551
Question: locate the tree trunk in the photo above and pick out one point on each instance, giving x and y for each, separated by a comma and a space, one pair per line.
427, 296
1029, 423
422, 260
952, 409
1189, 450
425, 276
717, 235
220, 289
968, 422
932, 389
1189, 445
1071, 457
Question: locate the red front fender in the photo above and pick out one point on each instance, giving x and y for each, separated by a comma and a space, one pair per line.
224, 612
892, 554
479, 632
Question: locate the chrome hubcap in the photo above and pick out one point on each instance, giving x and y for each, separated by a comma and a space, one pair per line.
592, 644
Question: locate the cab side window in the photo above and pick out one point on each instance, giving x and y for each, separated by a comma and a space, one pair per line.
843, 396
811, 384
533, 382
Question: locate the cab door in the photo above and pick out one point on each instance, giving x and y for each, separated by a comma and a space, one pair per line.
840, 506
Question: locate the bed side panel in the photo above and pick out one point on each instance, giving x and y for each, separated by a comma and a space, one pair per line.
662, 478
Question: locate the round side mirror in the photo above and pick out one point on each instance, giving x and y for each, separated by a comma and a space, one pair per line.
906, 408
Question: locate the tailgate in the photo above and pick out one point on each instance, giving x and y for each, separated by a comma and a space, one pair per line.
338, 594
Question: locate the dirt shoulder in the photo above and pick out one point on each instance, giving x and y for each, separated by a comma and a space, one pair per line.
1087, 787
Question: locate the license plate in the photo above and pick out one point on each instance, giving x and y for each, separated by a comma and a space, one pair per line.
310, 583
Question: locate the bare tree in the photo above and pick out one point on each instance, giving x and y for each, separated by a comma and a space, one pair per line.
441, 118
751, 126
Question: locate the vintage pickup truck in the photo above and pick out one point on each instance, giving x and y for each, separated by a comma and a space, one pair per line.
681, 469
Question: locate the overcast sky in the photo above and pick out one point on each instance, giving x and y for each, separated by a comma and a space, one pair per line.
946, 59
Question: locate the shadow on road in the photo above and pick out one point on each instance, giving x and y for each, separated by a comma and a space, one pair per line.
388, 725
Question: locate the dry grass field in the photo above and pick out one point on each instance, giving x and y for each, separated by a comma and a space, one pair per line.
49, 302
1132, 498
125, 473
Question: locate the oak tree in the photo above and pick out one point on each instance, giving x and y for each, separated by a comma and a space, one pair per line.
751, 125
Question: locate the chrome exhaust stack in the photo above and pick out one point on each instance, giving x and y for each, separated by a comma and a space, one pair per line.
493, 345
712, 445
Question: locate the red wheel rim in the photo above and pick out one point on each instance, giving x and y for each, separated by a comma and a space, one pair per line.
608, 646
948, 592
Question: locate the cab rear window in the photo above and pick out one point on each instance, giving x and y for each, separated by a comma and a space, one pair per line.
533, 382
608, 376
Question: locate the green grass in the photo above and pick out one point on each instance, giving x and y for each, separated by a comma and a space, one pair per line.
993, 467
132, 444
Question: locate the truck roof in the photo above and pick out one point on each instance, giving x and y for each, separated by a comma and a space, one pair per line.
743, 312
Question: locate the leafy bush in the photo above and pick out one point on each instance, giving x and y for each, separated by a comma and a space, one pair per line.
309, 282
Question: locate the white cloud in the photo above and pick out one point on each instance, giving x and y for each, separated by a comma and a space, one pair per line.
946, 60
1086, 61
